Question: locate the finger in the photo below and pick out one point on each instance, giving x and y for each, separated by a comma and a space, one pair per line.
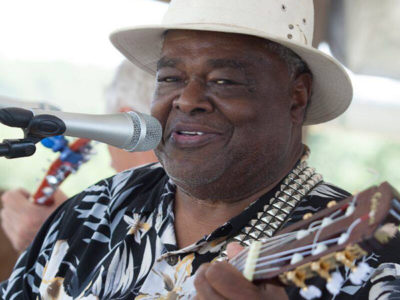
23, 192
19, 226
15, 199
203, 287
10, 213
233, 249
230, 283
10, 231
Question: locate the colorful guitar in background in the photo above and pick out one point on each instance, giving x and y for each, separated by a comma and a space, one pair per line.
336, 236
70, 159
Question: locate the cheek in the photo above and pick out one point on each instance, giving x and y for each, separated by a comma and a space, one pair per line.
162, 103
160, 109
248, 113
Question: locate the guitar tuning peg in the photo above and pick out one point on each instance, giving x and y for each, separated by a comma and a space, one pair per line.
297, 277
346, 258
319, 249
48, 191
310, 292
52, 180
296, 258
322, 268
331, 203
360, 273
334, 284
307, 216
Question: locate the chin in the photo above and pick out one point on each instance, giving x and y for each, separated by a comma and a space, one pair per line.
191, 177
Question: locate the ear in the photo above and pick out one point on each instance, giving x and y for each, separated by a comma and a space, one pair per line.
126, 109
300, 94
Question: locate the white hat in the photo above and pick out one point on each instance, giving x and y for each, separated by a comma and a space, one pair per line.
287, 22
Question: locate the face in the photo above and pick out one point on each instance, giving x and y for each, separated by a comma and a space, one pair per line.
226, 106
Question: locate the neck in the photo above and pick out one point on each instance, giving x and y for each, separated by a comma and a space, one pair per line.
198, 216
195, 217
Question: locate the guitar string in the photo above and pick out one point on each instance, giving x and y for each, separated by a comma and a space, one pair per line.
269, 241
353, 201
260, 272
292, 236
286, 258
313, 246
291, 251
269, 246
300, 250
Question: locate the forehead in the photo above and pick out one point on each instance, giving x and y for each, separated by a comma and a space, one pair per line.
195, 45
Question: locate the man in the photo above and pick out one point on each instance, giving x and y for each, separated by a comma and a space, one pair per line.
130, 89
232, 103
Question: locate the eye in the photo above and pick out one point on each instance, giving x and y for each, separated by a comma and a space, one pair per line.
224, 82
168, 79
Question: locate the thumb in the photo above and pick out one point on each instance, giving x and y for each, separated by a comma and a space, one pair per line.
233, 249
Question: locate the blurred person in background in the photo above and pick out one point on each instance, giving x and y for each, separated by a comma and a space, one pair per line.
8, 255
130, 89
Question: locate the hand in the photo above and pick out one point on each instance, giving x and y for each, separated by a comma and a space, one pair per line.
221, 280
21, 219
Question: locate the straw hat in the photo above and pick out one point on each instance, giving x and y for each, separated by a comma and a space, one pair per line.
287, 22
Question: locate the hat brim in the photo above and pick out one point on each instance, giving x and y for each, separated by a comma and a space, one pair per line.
332, 88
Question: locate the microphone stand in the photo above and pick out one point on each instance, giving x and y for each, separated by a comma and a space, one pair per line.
35, 129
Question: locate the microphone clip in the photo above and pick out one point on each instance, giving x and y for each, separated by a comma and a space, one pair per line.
18, 147
35, 129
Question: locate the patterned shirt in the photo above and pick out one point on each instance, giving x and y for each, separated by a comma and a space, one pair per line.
116, 240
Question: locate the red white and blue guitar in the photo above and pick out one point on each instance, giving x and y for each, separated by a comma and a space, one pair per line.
69, 161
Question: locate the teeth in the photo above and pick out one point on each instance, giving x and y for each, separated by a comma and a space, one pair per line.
192, 132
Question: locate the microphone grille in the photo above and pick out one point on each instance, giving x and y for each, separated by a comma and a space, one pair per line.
147, 132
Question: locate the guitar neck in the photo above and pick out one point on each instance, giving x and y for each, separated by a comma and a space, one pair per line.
70, 159
335, 236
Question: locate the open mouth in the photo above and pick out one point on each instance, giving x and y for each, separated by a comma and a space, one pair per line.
192, 139
190, 133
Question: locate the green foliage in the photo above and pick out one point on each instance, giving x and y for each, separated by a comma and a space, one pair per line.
354, 160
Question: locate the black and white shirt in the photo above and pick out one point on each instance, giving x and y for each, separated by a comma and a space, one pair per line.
116, 240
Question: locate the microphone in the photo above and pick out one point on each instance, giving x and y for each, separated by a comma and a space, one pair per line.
131, 131
10, 102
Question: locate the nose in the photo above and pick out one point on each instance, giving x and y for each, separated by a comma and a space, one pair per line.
193, 98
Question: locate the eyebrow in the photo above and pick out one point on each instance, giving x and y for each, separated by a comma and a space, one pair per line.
167, 62
227, 63
214, 63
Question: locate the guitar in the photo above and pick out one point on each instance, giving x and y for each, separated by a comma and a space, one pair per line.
336, 236
69, 161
